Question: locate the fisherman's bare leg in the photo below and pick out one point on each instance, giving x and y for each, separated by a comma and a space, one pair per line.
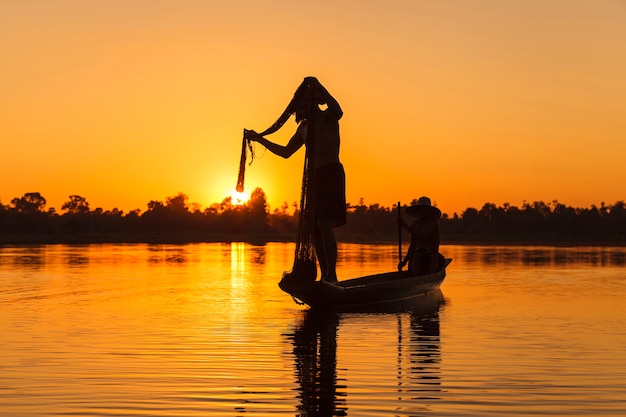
321, 255
320, 252
328, 246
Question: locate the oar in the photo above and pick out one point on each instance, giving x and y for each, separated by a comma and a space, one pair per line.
399, 239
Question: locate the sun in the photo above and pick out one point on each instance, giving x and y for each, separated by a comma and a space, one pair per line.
238, 198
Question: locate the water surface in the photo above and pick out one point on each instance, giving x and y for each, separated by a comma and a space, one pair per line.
204, 330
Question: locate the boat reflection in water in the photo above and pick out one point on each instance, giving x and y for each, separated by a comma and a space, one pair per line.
417, 369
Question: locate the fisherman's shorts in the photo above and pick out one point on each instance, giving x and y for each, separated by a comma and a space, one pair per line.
330, 194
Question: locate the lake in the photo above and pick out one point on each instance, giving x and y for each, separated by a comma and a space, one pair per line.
204, 330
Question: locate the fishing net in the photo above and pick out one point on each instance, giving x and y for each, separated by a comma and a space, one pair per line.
246, 145
304, 268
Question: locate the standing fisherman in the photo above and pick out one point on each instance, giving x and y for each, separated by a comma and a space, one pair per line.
329, 197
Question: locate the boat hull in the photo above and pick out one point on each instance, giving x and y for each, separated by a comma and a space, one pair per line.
368, 291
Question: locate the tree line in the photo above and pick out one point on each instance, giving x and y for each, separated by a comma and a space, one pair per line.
26, 219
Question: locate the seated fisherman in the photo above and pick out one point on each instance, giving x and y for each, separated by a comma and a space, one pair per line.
423, 254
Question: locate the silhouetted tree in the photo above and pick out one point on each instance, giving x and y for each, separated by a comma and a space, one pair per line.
27, 215
282, 222
154, 205
75, 205
178, 203
172, 216
257, 210
29, 203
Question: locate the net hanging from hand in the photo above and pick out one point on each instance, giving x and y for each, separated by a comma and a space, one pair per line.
246, 145
304, 267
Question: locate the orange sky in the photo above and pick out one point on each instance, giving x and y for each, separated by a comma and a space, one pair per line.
468, 102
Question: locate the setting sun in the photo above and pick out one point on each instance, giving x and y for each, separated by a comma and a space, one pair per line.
238, 198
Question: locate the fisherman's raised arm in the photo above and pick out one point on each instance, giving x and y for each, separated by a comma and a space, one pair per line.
285, 151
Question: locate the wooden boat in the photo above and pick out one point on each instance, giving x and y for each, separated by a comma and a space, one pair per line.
368, 291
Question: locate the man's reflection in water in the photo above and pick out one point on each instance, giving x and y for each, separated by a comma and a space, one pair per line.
315, 349
424, 373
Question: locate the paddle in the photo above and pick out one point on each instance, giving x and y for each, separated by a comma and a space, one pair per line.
399, 239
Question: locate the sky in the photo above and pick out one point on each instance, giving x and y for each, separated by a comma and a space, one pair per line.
465, 101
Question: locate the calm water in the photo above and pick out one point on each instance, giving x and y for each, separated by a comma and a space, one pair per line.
203, 330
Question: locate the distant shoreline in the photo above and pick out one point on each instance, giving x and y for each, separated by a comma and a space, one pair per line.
190, 237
